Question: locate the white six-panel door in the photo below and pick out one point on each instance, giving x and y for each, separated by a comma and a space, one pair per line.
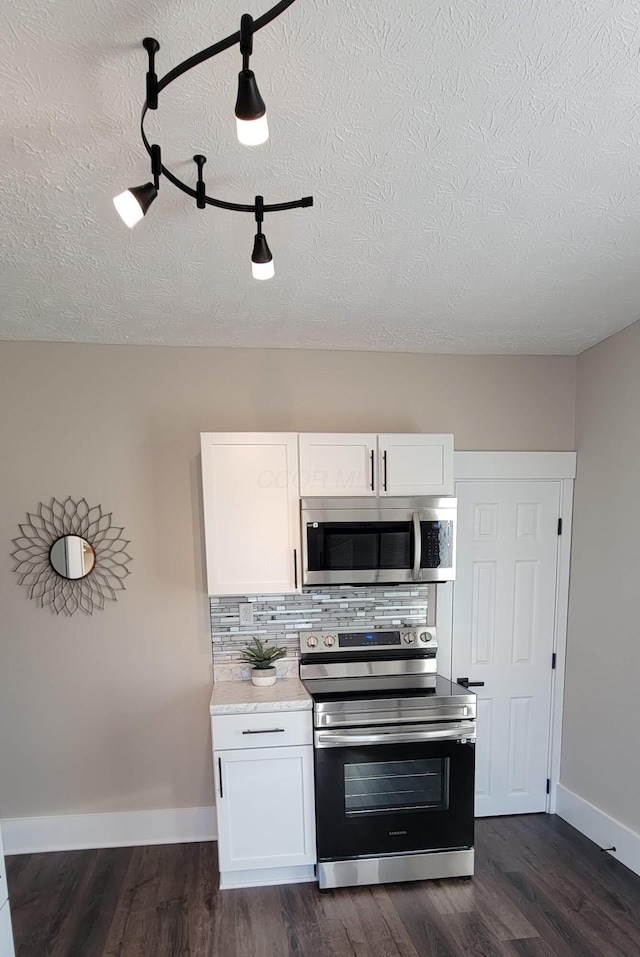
503, 632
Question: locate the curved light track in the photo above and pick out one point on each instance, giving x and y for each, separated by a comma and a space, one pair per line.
184, 67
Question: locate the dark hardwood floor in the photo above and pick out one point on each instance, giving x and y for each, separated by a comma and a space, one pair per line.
541, 889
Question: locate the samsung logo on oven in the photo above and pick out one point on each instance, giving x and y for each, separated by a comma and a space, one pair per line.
396, 833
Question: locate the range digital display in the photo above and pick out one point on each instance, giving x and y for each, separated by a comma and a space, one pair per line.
359, 639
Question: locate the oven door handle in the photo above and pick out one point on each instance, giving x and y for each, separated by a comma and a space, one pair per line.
345, 739
417, 546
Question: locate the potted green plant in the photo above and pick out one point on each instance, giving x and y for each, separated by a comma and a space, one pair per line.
263, 658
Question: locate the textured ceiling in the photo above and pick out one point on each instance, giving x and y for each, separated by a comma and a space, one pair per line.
475, 166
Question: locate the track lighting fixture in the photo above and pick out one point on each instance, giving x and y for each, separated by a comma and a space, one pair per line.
133, 204
251, 113
261, 259
252, 130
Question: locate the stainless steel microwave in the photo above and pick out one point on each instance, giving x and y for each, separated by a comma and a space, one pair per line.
371, 541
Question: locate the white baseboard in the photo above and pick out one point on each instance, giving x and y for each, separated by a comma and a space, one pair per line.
599, 827
182, 825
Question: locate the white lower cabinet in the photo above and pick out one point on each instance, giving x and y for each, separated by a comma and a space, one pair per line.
6, 933
265, 801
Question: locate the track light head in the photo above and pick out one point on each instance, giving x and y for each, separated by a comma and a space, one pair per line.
261, 259
251, 113
133, 204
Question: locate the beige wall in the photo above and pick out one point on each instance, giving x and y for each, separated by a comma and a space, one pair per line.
110, 713
601, 739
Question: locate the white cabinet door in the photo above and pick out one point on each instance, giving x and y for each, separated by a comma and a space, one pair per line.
6, 933
265, 808
503, 634
415, 464
337, 464
251, 512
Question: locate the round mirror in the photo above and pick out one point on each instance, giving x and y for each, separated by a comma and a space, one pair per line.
72, 556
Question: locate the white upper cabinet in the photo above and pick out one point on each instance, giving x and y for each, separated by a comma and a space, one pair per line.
415, 464
251, 512
344, 464
338, 464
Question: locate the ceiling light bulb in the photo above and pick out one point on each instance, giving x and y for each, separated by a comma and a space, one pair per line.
133, 204
261, 259
252, 132
251, 113
263, 270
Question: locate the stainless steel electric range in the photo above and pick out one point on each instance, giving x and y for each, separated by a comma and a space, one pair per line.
394, 747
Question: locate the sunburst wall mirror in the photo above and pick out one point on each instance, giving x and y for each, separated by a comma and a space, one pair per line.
70, 556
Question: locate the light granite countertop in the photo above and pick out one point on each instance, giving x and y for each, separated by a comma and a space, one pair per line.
242, 697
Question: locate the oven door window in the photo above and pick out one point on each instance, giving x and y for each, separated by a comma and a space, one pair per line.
392, 787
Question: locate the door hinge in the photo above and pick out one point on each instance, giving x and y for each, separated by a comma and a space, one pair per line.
548, 786
559, 526
554, 659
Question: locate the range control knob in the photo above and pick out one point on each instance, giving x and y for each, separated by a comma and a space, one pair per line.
410, 637
312, 641
329, 640
425, 636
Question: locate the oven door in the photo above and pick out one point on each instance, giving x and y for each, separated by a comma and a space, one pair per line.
358, 546
390, 791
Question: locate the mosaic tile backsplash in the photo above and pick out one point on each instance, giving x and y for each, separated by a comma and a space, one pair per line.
279, 618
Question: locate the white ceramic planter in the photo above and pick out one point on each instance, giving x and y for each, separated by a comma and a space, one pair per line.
263, 677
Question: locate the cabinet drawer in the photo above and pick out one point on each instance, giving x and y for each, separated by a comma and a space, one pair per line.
261, 730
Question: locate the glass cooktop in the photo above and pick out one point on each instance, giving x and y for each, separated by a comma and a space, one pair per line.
366, 688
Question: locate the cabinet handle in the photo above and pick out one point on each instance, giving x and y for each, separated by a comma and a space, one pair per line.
295, 568
266, 731
220, 773
372, 472
384, 470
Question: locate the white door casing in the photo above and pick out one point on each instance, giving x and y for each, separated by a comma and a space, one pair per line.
6, 934
504, 618
4, 889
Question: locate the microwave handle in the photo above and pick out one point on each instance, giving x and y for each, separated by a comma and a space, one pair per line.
417, 546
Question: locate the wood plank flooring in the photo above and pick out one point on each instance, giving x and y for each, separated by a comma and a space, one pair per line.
540, 890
